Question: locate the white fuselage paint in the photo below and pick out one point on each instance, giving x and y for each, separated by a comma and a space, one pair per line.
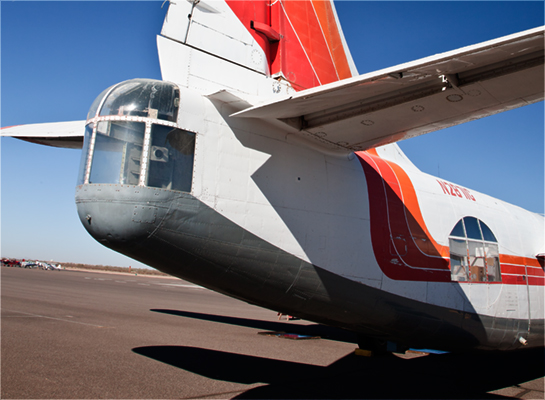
316, 207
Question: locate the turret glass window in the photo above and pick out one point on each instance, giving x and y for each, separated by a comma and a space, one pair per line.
117, 152
143, 98
132, 138
171, 154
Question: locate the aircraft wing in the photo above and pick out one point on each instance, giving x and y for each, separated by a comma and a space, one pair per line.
418, 97
57, 134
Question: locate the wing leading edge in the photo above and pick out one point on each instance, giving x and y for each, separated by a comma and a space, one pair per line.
56, 134
418, 97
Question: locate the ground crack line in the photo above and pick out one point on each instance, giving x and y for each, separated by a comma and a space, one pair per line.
54, 318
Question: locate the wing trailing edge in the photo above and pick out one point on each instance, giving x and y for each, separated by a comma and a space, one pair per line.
56, 134
418, 97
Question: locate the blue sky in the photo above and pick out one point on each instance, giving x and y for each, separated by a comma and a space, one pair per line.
56, 57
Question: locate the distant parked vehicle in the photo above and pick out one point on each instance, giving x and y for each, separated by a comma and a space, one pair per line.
7, 262
29, 264
48, 266
10, 262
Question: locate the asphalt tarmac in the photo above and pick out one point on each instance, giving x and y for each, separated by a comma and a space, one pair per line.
72, 334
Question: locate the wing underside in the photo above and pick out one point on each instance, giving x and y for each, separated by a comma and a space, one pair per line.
417, 97
57, 134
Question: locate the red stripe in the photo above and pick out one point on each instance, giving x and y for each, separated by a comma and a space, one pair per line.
533, 271
403, 247
394, 227
536, 281
512, 269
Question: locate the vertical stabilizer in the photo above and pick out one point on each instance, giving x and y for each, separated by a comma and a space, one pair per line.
304, 43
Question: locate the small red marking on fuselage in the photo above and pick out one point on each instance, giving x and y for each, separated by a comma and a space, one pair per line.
455, 190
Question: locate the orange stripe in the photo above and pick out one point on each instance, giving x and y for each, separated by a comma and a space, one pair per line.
411, 202
508, 259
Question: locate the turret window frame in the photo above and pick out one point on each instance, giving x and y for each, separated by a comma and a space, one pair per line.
140, 144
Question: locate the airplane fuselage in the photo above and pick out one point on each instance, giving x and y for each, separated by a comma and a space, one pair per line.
364, 242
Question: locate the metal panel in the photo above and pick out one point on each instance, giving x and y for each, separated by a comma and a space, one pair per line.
221, 33
176, 22
144, 214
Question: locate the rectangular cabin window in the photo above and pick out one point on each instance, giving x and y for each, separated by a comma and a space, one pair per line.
493, 262
477, 262
458, 260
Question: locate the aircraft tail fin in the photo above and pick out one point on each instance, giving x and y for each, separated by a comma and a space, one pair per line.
299, 42
311, 50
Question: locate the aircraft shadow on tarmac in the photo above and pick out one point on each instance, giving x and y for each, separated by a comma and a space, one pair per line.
323, 331
434, 376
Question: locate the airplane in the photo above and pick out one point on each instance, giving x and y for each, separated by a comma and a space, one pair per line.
264, 167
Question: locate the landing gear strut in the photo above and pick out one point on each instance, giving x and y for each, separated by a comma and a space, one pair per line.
369, 347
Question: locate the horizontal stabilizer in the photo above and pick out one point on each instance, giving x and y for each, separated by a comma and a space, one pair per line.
230, 99
418, 97
57, 134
